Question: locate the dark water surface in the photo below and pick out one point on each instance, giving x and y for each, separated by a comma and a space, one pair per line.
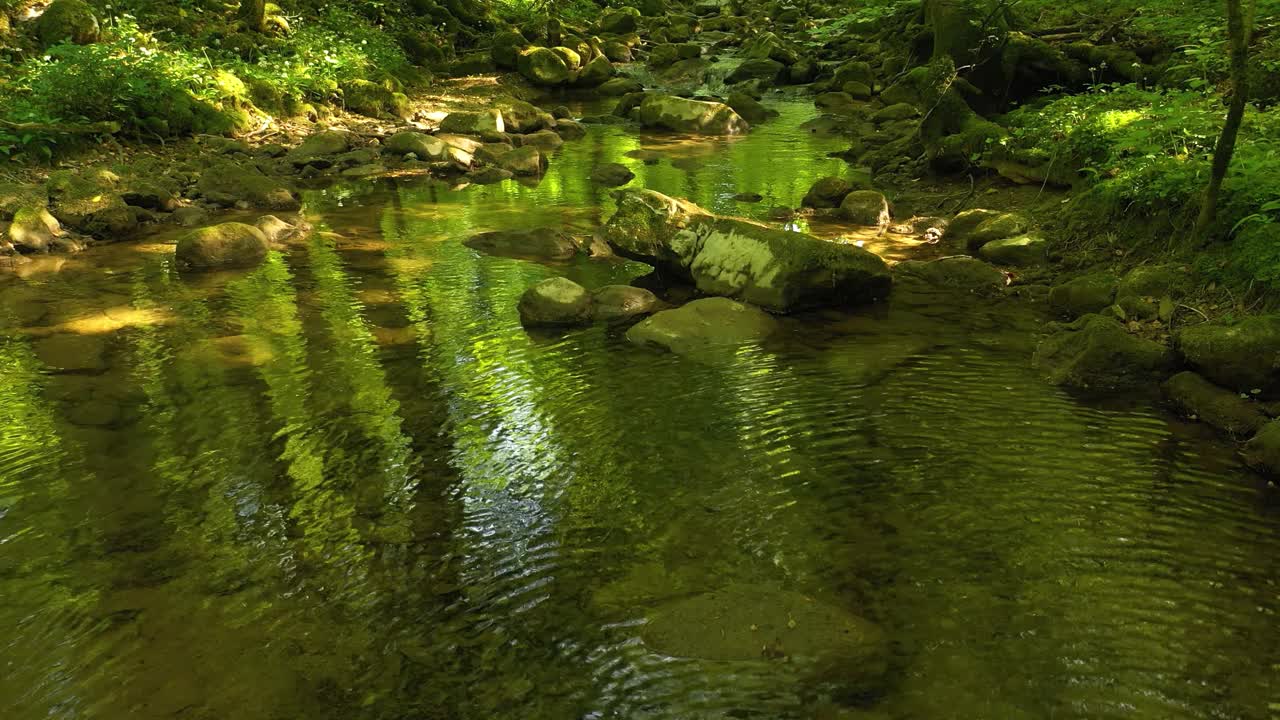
347, 484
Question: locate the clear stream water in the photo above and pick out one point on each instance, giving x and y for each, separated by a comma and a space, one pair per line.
348, 484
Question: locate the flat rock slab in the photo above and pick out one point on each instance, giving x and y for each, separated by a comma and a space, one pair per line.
704, 325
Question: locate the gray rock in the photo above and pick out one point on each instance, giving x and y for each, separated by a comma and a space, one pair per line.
702, 326
773, 268
555, 302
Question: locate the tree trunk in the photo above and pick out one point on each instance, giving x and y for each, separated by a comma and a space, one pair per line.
1226, 146
254, 14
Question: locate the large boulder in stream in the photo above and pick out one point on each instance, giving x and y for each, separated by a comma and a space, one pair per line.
1097, 354
668, 112
704, 325
773, 268
222, 247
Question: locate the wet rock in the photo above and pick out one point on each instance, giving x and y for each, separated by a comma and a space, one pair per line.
526, 161
804, 71
827, 192
757, 622
1151, 291
1083, 295
961, 272
1199, 399
274, 229
840, 103
1263, 451
224, 246
1244, 356
1096, 354
544, 140
770, 71
537, 244
619, 86
555, 302
773, 268
1021, 251
89, 202
703, 325
612, 175
570, 130
66, 352
616, 303
668, 112
33, 229
230, 184
544, 66
67, 20
318, 147
868, 208
617, 52
473, 123
748, 107
748, 197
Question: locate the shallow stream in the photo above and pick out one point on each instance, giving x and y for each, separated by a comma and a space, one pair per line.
348, 484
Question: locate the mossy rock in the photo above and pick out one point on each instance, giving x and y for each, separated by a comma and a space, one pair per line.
555, 302
868, 208
371, 99
1242, 356
1096, 354
1215, 406
90, 202
230, 184
827, 192
221, 247
317, 147
543, 66
33, 229
959, 272
537, 244
67, 20
1021, 251
668, 112
1083, 295
704, 326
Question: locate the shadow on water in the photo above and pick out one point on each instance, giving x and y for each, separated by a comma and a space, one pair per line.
348, 484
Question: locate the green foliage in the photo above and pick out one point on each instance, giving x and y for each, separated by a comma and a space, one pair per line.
867, 16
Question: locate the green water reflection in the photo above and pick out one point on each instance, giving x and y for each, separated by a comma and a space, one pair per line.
347, 483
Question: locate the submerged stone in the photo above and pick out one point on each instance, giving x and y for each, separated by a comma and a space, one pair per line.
744, 622
703, 325
612, 175
539, 243
773, 268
